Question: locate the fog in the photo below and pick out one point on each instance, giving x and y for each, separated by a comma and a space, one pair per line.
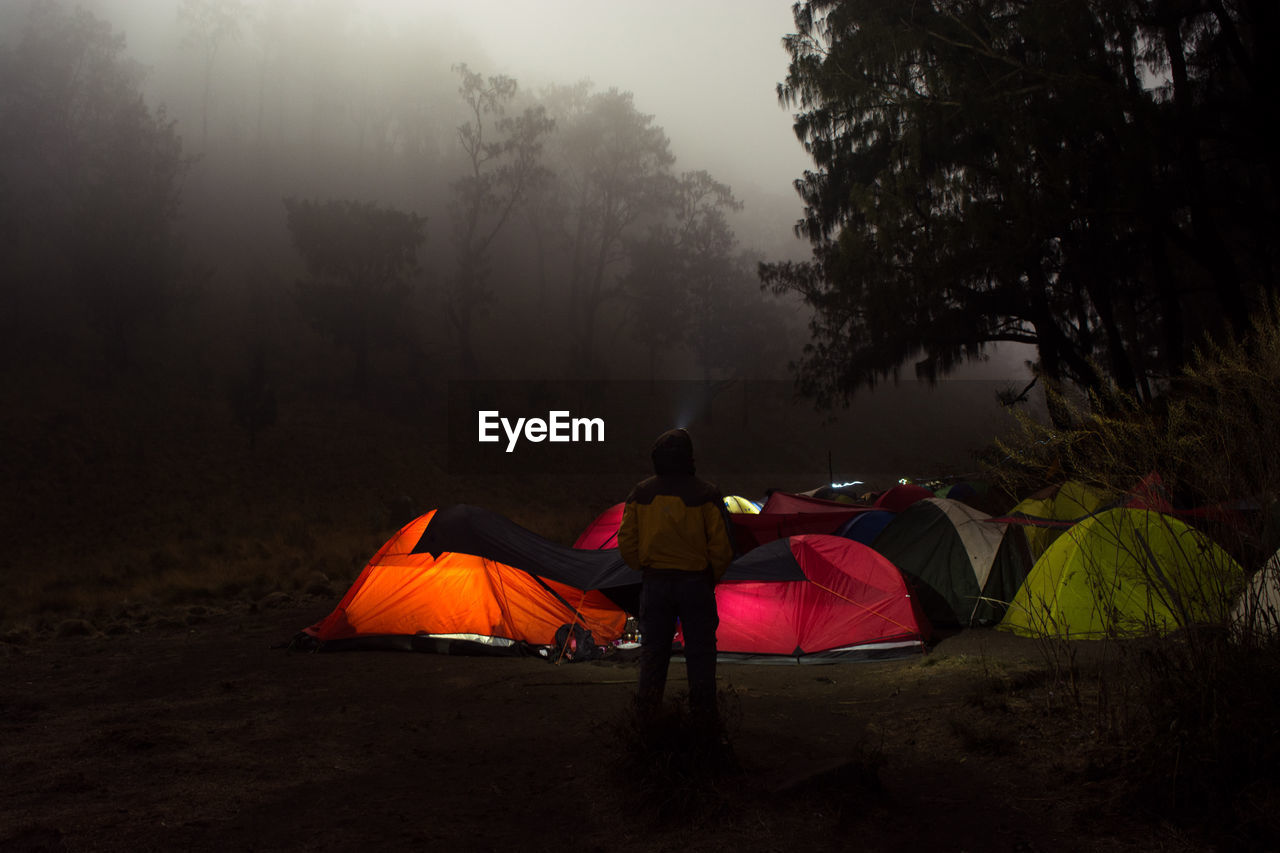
329, 100
610, 230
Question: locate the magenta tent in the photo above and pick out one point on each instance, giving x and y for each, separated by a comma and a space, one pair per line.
818, 599
749, 529
603, 532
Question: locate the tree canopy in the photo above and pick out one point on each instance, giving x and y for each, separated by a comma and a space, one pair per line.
89, 184
1090, 177
688, 282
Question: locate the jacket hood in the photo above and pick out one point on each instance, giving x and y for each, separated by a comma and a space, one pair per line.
673, 453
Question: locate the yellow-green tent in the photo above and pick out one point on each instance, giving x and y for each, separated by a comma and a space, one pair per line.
1067, 501
737, 503
1123, 573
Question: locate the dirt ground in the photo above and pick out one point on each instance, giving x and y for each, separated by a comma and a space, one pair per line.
196, 730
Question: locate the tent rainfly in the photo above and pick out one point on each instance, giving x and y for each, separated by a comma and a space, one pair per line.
964, 568
1124, 573
816, 599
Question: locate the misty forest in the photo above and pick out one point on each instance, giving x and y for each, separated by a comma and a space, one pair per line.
325, 219
247, 247
321, 173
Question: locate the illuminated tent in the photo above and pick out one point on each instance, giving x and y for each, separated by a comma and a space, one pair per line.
465, 529
1050, 511
963, 567
785, 514
409, 598
787, 502
462, 579
816, 599
603, 532
737, 503
1124, 572
1047, 513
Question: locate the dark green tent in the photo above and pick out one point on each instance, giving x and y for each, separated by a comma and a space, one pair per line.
963, 567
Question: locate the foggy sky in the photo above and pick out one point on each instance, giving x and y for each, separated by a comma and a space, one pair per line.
706, 70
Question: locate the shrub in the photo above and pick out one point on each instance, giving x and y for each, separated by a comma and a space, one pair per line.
1210, 438
1188, 711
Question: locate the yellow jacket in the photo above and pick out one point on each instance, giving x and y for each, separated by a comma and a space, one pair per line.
675, 522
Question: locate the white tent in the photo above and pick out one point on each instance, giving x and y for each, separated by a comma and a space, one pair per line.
1256, 612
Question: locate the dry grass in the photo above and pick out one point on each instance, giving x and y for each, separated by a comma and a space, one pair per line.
676, 769
1179, 712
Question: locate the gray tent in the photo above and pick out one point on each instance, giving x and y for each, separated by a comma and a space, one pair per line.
1256, 612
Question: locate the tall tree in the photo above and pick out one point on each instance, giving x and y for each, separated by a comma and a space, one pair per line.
503, 158
91, 184
270, 35
362, 260
209, 25
713, 272
614, 171
685, 272
993, 170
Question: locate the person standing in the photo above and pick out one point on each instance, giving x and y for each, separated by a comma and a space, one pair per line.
675, 531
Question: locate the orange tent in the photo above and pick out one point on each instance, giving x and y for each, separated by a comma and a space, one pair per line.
455, 602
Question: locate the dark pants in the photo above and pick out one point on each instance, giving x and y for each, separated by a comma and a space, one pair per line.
690, 597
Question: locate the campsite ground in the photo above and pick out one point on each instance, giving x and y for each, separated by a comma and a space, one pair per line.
193, 729
155, 562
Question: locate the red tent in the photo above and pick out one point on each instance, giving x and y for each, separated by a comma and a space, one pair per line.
786, 502
781, 517
827, 598
463, 579
786, 514
603, 532
902, 496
